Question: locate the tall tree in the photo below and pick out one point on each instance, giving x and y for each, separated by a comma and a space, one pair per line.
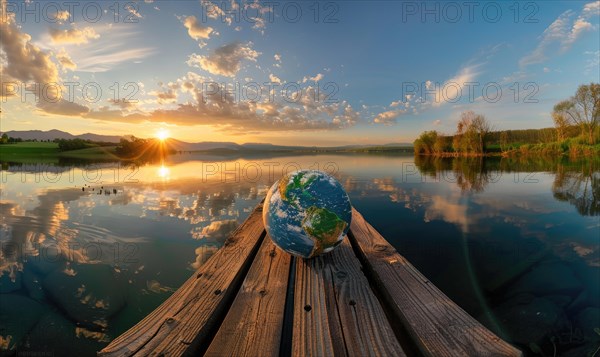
425, 142
583, 109
472, 132
561, 123
503, 141
482, 129
441, 145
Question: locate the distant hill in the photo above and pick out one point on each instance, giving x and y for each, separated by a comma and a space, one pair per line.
58, 134
232, 147
178, 145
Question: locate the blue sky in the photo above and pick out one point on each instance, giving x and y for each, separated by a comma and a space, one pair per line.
394, 68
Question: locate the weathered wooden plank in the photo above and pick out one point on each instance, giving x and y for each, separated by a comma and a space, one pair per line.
435, 323
335, 310
188, 317
253, 325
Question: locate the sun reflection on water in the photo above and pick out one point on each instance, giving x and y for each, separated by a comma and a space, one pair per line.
164, 172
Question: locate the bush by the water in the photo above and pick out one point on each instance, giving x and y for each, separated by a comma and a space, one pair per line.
73, 144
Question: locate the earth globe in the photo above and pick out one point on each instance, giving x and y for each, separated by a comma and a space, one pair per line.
307, 213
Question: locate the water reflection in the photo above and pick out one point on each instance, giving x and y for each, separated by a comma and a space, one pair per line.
579, 188
469, 173
93, 249
576, 182
96, 257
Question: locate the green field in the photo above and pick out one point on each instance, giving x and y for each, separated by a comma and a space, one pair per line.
37, 152
95, 153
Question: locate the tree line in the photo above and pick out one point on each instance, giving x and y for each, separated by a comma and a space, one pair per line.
471, 137
5, 139
78, 144
575, 123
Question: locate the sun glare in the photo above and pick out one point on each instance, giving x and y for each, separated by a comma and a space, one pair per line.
162, 134
163, 172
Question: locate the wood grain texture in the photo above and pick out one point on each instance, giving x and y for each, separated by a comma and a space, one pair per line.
190, 315
336, 312
253, 325
435, 323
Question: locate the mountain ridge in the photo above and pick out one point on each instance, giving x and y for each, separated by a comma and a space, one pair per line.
179, 145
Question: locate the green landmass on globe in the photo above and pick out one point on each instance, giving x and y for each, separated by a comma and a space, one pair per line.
324, 227
287, 186
307, 213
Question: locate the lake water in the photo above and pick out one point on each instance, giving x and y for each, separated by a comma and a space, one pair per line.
516, 243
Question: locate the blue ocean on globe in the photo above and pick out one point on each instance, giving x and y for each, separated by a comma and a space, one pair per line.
307, 213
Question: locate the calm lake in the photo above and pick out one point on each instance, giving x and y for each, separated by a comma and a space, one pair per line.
88, 250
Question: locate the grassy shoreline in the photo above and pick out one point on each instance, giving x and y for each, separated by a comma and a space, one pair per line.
45, 152
524, 150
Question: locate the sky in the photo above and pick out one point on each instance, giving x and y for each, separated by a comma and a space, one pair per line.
290, 72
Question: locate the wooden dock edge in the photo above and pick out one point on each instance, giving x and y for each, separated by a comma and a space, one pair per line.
435, 324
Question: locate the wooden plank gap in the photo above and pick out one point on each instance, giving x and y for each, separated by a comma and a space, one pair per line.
201, 342
400, 331
285, 347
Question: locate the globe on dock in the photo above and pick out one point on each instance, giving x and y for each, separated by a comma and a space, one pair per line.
307, 213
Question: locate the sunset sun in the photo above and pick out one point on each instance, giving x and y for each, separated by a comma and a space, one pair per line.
162, 134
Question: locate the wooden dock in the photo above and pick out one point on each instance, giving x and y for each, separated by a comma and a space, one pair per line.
363, 299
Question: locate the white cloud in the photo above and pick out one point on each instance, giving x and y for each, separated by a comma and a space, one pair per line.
214, 11
216, 231
63, 15
133, 11
65, 60
273, 78
225, 60
73, 35
453, 88
316, 78
563, 33
579, 28
168, 96
277, 58
106, 60
388, 117
21, 59
591, 9
449, 209
195, 29
259, 24
113, 48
